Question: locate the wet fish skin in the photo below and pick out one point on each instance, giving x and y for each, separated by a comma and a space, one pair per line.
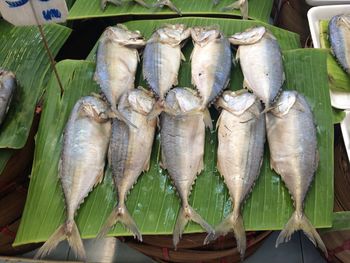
211, 62
291, 135
129, 152
81, 167
182, 146
116, 62
261, 62
8, 85
162, 58
339, 37
241, 139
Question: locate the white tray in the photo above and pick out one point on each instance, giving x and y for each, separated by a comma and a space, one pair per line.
327, 2
340, 100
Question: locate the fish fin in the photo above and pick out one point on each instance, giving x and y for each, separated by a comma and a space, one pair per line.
185, 215
218, 122
246, 85
183, 58
244, 9
99, 178
146, 165
216, 2
157, 109
237, 55
61, 234
116, 114
299, 221
240, 4
103, 3
120, 214
142, 3
168, 3
207, 119
233, 222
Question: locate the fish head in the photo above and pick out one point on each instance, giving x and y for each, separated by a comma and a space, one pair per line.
249, 36
236, 102
284, 103
173, 33
121, 35
7, 79
204, 35
94, 108
140, 100
182, 100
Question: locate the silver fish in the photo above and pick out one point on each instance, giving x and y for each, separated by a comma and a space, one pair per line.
261, 61
211, 62
241, 136
240, 4
81, 167
129, 152
8, 85
162, 57
117, 59
339, 37
182, 143
103, 3
291, 134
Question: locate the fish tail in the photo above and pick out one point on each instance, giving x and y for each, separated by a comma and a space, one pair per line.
233, 221
120, 214
68, 231
240, 4
168, 3
187, 214
299, 221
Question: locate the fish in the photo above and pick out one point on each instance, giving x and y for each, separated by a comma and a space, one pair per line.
241, 139
103, 3
8, 86
240, 4
182, 136
81, 166
291, 135
339, 38
162, 58
211, 61
261, 61
169, 4
130, 152
116, 62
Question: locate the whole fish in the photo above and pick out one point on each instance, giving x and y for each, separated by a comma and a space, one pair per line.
103, 3
129, 152
240, 4
117, 59
339, 37
211, 61
291, 134
241, 137
261, 61
81, 167
182, 144
162, 57
8, 85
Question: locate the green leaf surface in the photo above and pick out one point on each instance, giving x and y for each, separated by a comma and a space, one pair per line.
22, 52
82, 9
338, 115
153, 202
340, 222
5, 155
339, 80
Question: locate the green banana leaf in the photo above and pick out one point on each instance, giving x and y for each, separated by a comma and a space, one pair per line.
82, 9
340, 222
339, 80
153, 202
338, 115
22, 52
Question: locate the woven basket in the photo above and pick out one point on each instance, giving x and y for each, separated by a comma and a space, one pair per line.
191, 248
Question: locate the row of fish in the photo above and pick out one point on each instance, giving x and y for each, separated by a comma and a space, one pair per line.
242, 126
339, 37
240, 4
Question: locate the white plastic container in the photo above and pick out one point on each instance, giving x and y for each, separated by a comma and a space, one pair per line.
327, 2
340, 100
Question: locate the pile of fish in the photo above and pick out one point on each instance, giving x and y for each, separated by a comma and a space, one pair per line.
339, 37
240, 4
121, 124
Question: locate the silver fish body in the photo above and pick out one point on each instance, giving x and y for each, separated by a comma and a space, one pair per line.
8, 85
162, 58
211, 62
116, 62
241, 139
85, 144
261, 62
130, 152
182, 143
339, 37
291, 135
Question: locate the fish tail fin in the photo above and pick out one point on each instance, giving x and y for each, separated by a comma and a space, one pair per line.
299, 221
168, 3
240, 4
116, 114
120, 214
68, 231
187, 214
233, 221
